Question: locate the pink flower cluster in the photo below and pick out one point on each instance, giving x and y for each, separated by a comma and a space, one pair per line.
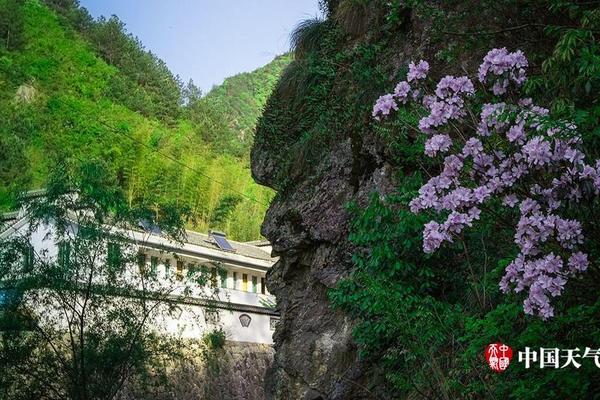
515, 153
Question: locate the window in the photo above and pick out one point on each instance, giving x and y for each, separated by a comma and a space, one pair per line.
203, 278
244, 282
254, 284
64, 254
236, 285
223, 275
262, 286
245, 320
213, 277
153, 265
114, 255
273, 323
167, 269
211, 317
28, 258
179, 271
86, 232
141, 261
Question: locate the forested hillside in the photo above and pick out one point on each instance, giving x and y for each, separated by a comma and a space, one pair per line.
72, 88
241, 98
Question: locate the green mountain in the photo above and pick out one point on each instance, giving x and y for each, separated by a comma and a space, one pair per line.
241, 98
74, 89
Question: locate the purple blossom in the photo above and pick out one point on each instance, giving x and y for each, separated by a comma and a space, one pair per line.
437, 143
568, 232
472, 147
534, 163
490, 114
510, 200
574, 156
481, 194
433, 236
453, 164
457, 199
578, 262
516, 133
401, 91
537, 151
450, 87
501, 67
384, 105
429, 100
417, 71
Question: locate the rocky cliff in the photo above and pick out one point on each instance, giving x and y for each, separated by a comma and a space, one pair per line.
234, 372
315, 144
315, 356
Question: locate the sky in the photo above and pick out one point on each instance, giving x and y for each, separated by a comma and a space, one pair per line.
209, 40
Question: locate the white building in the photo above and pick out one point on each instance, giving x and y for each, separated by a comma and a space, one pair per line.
241, 306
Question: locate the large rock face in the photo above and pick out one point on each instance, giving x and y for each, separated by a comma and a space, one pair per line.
235, 372
317, 145
315, 355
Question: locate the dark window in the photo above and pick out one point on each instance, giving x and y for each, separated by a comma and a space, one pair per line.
149, 227
64, 254
223, 275
153, 265
179, 271
10, 297
141, 260
167, 268
86, 232
262, 286
192, 271
213, 277
28, 258
114, 255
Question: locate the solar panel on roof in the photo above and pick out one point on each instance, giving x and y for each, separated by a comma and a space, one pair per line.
222, 242
149, 227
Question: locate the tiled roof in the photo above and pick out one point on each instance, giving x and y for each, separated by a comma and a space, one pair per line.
244, 249
248, 249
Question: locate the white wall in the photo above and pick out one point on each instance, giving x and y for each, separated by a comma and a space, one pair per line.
191, 321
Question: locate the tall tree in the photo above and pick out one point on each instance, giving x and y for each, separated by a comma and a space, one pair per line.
84, 323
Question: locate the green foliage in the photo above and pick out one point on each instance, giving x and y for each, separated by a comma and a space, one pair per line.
214, 339
306, 37
322, 98
81, 329
81, 89
223, 209
424, 321
234, 106
143, 82
354, 16
11, 24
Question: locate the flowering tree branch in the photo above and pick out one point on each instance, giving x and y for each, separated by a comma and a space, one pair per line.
517, 156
